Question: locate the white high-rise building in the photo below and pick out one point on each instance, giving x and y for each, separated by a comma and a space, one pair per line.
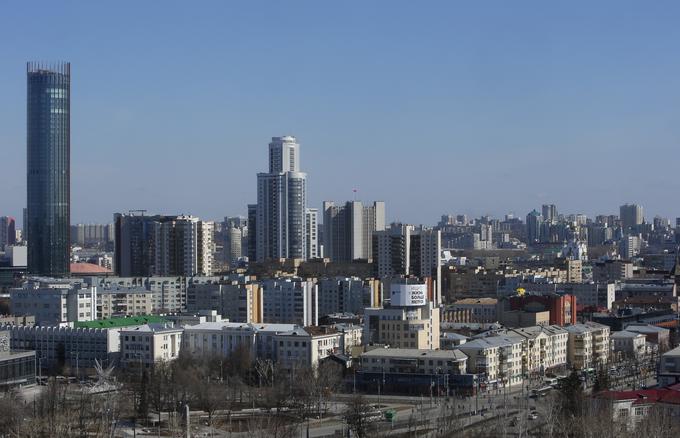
349, 228
281, 204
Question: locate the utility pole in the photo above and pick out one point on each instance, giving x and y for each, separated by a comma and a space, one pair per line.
187, 413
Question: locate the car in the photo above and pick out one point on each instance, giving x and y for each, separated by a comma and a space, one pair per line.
533, 416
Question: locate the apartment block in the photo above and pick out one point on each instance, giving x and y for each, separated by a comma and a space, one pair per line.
498, 358
290, 301
54, 302
588, 345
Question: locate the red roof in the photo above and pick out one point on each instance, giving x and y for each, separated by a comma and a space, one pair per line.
88, 268
645, 396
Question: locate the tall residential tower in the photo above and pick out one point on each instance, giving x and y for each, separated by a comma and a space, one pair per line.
280, 230
48, 168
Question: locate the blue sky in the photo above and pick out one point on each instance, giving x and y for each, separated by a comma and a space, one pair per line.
433, 107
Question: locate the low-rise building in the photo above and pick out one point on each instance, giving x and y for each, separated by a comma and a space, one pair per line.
653, 334
147, 344
544, 348
352, 336
629, 408
472, 310
669, 368
628, 344
588, 345
17, 367
76, 347
414, 361
28, 320
305, 347
451, 340
497, 358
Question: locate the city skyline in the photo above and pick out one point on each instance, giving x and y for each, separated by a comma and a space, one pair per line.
490, 103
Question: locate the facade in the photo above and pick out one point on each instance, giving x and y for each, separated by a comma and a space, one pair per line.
631, 216
410, 320
653, 334
628, 344
404, 250
281, 204
168, 294
147, 344
48, 168
593, 295
54, 302
235, 240
235, 301
92, 234
305, 347
476, 310
183, 246
348, 229
16, 367
588, 345
543, 348
8, 234
133, 250
121, 302
344, 295
162, 245
534, 226
290, 301
75, 347
549, 213
562, 308
312, 230
629, 408
612, 270
412, 361
498, 358
223, 338
669, 368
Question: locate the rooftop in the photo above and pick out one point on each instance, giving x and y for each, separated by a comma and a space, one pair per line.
626, 334
488, 301
121, 322
155, 328
88, 268
415, 353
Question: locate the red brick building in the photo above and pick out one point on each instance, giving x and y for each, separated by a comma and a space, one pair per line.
562, 308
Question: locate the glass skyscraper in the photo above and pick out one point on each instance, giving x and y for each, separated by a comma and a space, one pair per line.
48, 168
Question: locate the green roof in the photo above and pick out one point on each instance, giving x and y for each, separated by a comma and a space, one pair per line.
121, 322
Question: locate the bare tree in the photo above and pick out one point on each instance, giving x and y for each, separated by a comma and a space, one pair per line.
356, 416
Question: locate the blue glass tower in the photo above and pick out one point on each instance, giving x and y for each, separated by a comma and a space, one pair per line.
48, 168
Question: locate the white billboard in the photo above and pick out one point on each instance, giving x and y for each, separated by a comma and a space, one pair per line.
408, 294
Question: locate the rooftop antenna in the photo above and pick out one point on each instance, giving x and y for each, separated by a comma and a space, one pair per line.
354, 193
